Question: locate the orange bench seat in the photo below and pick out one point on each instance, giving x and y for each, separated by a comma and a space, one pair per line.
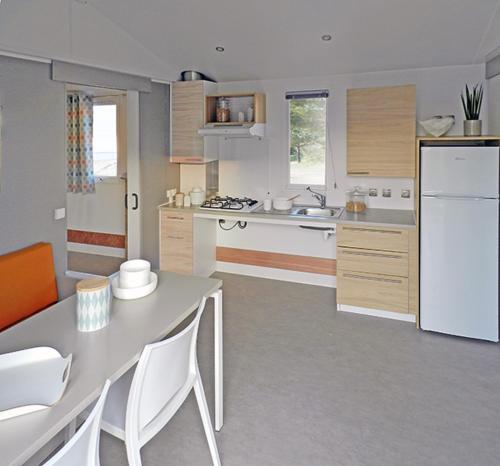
27, 283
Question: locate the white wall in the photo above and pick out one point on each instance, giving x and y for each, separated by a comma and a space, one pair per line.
254, 167
494, 105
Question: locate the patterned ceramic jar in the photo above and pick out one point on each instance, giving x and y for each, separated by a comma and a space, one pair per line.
93, 304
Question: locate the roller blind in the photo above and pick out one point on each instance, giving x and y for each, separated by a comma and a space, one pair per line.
296, 95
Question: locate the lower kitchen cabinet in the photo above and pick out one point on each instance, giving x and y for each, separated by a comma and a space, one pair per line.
373, 268
176, 242
187, 245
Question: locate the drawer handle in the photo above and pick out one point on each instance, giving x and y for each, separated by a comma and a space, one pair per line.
389, 232
175, 218
373, 279
350, 172
371, 254
174, 237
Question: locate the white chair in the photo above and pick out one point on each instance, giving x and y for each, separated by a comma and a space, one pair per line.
83, 448
141, 403
31, 379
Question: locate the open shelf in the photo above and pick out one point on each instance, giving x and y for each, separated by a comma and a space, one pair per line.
238, 102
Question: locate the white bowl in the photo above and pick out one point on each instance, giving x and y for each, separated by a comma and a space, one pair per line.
134, 273
438, 125
134, 293
282, 203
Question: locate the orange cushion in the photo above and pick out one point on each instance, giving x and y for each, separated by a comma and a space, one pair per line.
27, 283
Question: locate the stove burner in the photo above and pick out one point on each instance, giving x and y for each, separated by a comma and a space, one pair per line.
229, 203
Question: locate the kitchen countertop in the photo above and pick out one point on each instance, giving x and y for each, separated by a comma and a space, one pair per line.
391, 218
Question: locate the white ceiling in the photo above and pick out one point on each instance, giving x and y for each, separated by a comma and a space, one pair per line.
262, 38
281, 38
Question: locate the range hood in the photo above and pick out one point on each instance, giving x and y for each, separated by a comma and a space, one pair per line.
228, 131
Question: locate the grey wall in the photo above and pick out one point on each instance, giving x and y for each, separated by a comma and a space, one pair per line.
157, 173
32, 172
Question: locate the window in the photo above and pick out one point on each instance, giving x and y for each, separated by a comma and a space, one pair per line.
307, 137
105, 140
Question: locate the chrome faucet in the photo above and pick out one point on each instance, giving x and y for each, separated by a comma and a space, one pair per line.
321, 198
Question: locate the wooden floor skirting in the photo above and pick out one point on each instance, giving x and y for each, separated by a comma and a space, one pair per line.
277, 260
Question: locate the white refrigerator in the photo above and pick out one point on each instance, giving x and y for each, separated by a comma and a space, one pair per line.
459, 226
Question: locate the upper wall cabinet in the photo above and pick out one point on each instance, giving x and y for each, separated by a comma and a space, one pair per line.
188, 116
381, 125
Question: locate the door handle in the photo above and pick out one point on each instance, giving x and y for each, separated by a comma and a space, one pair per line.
136, 199
126, 201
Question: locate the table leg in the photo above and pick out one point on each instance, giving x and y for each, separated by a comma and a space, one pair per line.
218, 366
69, 431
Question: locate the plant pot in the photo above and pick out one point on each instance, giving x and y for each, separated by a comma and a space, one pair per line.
472, 127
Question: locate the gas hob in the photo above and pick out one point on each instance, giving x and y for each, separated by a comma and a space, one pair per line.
240, 204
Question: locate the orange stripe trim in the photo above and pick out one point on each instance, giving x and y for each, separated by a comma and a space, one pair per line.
276, 260
97, 239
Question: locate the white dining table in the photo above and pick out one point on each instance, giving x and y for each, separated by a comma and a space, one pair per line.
104, 354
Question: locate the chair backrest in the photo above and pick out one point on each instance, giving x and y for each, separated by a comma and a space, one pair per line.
27, 283
163, 378
83, 448
31, 379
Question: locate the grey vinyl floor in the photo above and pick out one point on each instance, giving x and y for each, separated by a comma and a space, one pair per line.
95, 264
305, 385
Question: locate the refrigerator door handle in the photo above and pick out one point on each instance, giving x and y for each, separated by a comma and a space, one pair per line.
458, 198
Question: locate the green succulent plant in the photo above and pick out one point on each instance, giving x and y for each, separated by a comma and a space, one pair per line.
472, 101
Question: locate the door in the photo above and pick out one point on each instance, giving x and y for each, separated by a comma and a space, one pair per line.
133, 200
459, 266
470, 171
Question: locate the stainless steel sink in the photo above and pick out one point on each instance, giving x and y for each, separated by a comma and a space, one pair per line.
317, 212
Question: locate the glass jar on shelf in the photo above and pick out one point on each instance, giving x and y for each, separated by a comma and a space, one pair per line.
356, 200
223, 110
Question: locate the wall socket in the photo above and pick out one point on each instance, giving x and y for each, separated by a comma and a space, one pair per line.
405, 193
386, 192
373, 192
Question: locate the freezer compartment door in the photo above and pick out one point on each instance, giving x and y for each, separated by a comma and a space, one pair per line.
459, 267
460, 171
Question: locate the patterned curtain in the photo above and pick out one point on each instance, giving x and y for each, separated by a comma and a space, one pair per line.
80, 166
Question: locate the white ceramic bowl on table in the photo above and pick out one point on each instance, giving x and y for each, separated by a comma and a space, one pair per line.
135, 273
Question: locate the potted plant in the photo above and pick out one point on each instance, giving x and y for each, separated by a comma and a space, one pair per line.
471, 103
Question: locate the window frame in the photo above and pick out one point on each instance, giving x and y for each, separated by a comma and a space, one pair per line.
121, 135
299, 186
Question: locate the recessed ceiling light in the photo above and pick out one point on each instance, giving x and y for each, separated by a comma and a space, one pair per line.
326, 37
219, 49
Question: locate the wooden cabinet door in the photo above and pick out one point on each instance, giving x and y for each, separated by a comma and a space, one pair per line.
188, 113
381, 125
176, 242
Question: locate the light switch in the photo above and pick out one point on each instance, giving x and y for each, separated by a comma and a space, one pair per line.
59, 213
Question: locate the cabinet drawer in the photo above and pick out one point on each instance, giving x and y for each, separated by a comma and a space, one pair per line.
172, 220
366, 260
373, 291
386, 239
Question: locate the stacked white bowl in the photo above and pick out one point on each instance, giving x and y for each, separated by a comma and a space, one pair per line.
135, 273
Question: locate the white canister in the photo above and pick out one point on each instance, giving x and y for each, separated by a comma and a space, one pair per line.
268, 204
187, 201
197, 196
93, 297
